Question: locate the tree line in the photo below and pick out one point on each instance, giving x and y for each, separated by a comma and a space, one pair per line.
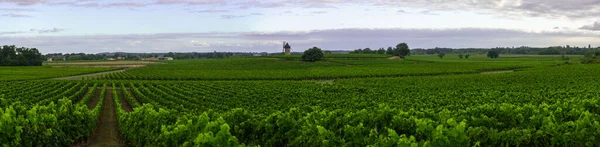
139, 56
400, 50
20, 56
552, 50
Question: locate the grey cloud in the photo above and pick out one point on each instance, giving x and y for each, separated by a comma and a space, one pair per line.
534, 8
320, 6
129, 4
17, 9
210, 11
12, 33
239, 16
327, 39
260, 4
401, 11
592, 27
232, 16
16, 15
575, 9
318, 12
428, 13
107, 3
42, 31
23, 2
192, 2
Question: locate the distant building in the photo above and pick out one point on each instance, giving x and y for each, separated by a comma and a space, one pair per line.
113, 59
56, 58
287, 48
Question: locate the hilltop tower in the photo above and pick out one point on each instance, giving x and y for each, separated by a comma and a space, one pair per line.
287, 49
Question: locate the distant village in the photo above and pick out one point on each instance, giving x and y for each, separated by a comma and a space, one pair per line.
70, 57
167, 56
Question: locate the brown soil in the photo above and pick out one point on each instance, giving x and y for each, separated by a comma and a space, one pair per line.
107, 130
497, 71
323, 81
87, 90
394, 58
92, 103
133, 96
124, 102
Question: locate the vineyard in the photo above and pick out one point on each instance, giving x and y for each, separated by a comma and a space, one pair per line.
279, 102
43, 72
275, 69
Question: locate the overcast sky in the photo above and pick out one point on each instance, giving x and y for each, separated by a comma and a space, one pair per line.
93, 26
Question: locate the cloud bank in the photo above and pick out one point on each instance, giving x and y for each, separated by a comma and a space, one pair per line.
17, 15
345, 39
574, 9
592, 27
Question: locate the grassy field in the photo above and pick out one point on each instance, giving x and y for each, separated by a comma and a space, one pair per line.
332, 68
43, 72
368, 101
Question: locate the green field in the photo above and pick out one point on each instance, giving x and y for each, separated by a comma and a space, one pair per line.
333, 68
43, 72
354, 100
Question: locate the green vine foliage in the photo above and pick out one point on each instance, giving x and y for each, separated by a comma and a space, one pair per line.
58, 124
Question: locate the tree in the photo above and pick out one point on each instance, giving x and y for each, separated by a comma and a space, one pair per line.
441, 55
402, 50
312, 54
460, 56
589, 57
367, 50
171, 54
467, 56
389, 51
327, 52
381, 51
13, 56
493, 54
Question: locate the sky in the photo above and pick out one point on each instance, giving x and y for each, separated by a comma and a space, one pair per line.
94, 26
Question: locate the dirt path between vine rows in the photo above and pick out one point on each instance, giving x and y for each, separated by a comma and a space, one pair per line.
107, 129
92, 103
124, 102
497, 71
87, 90
134, 98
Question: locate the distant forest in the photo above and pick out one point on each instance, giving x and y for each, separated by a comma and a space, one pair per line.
13, 56
554, 50
139, 56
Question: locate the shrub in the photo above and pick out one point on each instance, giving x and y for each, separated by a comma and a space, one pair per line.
312, 54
